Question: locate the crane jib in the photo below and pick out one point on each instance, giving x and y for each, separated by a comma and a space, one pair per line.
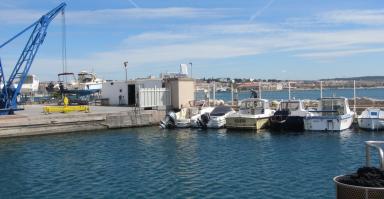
9, 92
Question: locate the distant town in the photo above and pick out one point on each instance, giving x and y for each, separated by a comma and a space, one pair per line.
223, 84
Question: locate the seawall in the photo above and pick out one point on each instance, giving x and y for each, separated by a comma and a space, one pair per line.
32, 121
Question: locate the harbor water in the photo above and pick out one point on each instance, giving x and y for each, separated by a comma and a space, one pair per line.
184, 163
374, 93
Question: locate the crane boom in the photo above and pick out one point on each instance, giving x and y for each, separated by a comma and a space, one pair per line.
9, 92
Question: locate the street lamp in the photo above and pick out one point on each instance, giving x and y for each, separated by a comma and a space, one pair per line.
190, 63
126, 74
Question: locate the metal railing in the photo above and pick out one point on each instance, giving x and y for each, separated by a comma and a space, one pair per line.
377, 145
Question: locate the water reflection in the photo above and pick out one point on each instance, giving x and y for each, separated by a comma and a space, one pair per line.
154, 163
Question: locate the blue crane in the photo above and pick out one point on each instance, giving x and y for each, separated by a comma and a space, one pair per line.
10, 88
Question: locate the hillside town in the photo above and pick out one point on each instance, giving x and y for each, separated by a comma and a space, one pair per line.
223, 84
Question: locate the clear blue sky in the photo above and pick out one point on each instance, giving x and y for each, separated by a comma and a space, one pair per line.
306, 39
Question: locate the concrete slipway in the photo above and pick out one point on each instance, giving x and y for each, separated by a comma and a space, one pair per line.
32, 120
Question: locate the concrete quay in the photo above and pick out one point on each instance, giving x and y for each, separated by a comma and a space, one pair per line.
32, 120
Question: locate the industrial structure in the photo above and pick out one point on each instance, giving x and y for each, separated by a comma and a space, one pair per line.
9, 88
182, 91
147, 92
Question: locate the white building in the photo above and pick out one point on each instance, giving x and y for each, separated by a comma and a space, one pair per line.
138, 92
184, 69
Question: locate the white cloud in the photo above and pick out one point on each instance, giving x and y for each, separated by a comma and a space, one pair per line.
158, 36
239, 28
339, 53
102, 16
223, 40
367, 17
19, 16
193, 44
338, 17
142, 51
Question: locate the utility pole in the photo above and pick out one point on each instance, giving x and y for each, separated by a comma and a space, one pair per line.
126, 79
126, 74
289, 90
190, 63
354, 96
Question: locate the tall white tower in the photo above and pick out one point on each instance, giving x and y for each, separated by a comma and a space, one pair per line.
184, 69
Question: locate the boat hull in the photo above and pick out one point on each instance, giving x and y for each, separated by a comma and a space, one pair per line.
246, 123
183, 123
290, 123
216, 122
318, 123
371, 123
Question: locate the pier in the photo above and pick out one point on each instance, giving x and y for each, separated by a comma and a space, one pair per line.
32, 120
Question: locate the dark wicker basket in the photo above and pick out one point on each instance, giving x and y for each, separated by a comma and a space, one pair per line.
345, 191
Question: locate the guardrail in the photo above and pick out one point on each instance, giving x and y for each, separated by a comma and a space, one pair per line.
376, 145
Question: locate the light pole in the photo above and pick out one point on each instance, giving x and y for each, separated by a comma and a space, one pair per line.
190, 63
126, 74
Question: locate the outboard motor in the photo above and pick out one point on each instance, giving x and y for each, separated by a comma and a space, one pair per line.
169, 121
280, 116
203, 120
50, 88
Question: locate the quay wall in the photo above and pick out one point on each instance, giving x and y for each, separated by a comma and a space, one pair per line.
25, 125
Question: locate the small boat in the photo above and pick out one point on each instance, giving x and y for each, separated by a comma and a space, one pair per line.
217, 118
254, 113
86, 83
89, 81
289, 116
371, 119
221, 89
201, 120
186, 117
332, 114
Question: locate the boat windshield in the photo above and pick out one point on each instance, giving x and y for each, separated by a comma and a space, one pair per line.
292, 106
334, 105
251, 104
85, 77
221, 110
66, 77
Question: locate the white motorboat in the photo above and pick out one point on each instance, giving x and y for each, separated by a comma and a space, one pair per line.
86, 83
289, 116
89, 81
201, 119
254, 113
371, 119
217, 118
332, 114
186, 117
221, 89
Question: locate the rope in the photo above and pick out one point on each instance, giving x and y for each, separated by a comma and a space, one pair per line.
64, 45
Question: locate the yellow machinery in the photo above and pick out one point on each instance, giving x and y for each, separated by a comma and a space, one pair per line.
65, 108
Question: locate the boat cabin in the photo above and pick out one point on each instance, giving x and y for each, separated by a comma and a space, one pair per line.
221, 110
253, 106
333, 106
85, 77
